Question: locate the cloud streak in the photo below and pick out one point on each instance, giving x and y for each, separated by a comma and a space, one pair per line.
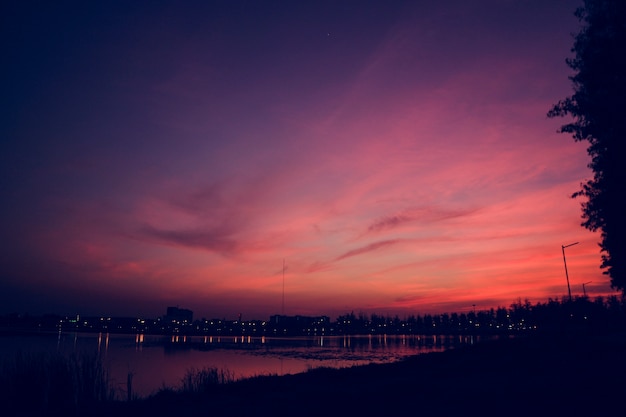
424, 215
375, 246
219, 240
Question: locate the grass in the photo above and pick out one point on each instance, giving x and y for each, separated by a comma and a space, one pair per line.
204, 379
53, 384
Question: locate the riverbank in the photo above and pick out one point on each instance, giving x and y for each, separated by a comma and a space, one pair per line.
540, 375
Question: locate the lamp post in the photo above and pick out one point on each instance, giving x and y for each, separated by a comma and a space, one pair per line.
569, 291
283, 310
584, 291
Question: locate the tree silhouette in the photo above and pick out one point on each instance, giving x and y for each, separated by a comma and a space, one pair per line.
598, 110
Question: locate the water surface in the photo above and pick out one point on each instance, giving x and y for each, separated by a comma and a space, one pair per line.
156, 362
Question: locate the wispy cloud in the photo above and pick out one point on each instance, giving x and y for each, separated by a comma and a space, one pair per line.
320, 266
219, 240
369, 248
428, 214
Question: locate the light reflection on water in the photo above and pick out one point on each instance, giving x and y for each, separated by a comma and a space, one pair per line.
157, 361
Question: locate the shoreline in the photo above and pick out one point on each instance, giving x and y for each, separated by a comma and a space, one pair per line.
570, 372
579, 374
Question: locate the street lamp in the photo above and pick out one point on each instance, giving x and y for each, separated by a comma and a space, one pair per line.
584, 291
569, 291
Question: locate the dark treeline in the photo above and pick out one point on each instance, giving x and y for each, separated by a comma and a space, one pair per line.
599, 314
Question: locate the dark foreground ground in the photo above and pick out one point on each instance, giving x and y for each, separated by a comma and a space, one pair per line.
548, 375
581, 375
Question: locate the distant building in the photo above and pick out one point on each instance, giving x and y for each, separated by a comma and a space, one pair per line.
178, 315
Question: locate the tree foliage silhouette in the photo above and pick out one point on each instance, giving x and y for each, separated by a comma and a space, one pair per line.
598, 110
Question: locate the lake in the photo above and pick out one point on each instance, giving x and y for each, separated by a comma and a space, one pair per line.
161, 361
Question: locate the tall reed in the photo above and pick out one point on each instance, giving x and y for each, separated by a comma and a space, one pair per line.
52, 383
202, 380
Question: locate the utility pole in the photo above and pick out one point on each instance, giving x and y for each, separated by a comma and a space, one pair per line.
569, 291
585, 291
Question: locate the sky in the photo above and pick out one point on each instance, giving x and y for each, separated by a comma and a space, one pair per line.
278, 157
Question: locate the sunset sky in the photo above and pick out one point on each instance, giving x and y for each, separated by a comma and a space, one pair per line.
395, 156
